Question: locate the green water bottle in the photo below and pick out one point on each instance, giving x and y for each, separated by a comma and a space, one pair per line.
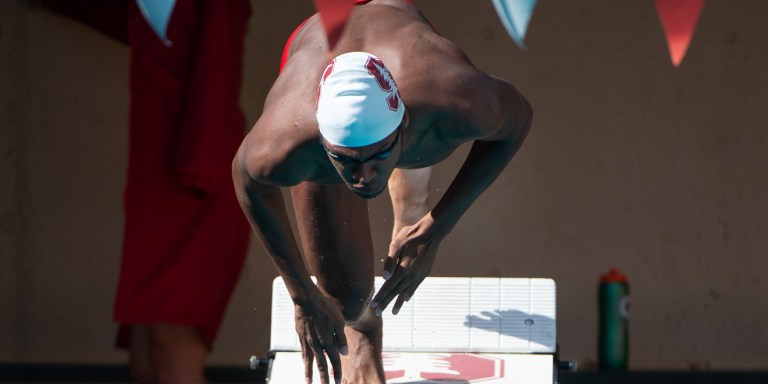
613, 343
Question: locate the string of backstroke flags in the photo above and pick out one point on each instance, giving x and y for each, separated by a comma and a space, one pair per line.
678, 19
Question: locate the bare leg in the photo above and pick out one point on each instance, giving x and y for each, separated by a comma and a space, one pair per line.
138, 358
364, 362
409, 190
166, 353
336, 237
178, 354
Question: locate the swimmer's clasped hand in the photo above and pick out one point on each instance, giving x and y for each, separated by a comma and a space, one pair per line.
411, 256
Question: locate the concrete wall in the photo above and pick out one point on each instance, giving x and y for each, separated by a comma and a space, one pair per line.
630, 163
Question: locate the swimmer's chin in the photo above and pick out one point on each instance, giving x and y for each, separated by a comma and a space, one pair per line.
366, 194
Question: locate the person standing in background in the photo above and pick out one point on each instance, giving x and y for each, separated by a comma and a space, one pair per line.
185, 237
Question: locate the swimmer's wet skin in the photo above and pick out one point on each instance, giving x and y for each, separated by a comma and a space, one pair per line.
395, 100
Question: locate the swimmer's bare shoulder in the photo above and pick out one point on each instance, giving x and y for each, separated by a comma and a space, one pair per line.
461, 102
282, 153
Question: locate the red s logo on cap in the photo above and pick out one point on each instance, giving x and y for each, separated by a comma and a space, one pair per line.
328, 71
384, 79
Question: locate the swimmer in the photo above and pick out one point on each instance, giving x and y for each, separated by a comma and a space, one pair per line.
391, 100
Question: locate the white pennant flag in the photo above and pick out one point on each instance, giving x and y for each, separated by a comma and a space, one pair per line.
158, 14
515, 16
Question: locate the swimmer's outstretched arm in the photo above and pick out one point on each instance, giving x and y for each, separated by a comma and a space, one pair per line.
413, 249
319, 323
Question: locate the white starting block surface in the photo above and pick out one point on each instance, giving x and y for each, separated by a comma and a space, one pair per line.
437, 368
460, 329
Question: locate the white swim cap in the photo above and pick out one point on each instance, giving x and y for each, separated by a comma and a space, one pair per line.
358, 103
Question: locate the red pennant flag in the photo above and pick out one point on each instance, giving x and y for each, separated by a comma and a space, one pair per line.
334, 14
679, 18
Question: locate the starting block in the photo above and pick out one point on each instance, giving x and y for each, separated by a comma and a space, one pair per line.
454, 329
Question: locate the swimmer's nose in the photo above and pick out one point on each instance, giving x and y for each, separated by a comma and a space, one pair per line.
363, 174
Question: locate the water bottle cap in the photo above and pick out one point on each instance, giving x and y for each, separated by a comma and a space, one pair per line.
613, 276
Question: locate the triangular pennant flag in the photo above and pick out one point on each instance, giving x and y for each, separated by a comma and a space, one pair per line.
158, 14
334, 14
515, 16
679, 19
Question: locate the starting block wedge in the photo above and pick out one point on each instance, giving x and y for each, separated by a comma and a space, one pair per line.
454, 329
